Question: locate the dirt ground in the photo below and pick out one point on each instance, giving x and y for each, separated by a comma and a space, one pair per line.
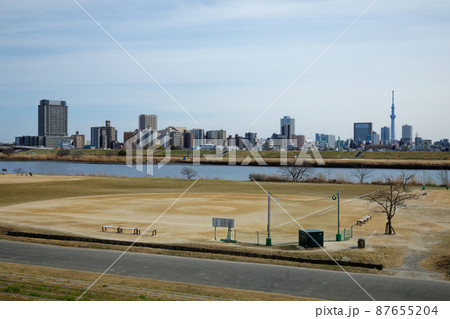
26, 178
419, 227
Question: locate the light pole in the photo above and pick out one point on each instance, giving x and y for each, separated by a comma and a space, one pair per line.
338, 197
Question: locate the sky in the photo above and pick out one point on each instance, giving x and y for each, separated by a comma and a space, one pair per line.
220, 64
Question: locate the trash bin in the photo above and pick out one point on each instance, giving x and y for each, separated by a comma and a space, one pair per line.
361, 243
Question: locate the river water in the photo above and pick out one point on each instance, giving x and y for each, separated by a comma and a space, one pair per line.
222, 172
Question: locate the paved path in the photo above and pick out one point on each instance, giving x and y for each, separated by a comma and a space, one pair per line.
296, 281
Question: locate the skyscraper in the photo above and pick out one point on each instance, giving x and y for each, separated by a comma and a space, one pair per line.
362, 132
287, 127
392, 120
52, 118
149, 121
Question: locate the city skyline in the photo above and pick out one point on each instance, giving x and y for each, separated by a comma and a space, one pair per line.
225, 62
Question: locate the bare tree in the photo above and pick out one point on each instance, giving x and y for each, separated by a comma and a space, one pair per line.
442, 177
390, 199
406, 179
362, 173
188, 172
295, 173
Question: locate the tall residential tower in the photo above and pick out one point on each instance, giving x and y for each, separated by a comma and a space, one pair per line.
149, 121
52, 118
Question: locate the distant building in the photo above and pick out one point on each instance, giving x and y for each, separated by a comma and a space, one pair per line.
52, 123
176, 139
198, 137
407, 133
149, 121
252, 138
268, 145
216, 137
299, 140
30, 141
78, 140
236, 142
188, 139
129, 135
52, 118
375, 138
385, 135
287, 127
362, 132
104, 137
325, 141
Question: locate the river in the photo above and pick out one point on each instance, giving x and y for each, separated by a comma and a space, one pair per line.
221, 172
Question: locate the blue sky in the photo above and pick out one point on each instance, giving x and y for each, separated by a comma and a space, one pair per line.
225, 62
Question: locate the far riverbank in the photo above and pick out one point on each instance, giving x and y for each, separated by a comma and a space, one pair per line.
247, 160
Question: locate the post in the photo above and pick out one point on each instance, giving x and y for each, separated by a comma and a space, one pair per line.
423, 180
215, 233
268, 239
257, 237
339, 206
338, 235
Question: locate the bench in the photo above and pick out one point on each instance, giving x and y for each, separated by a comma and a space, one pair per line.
120, 229
363, 220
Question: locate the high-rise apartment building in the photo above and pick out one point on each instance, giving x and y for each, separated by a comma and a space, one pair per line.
149, 121
385, 135
52, 118
375, 138
407, 133
104, 136
78, 140
198, 136
362, 132
252, 138
287, 127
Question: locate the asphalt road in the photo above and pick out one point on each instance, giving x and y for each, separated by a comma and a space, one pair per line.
296, 281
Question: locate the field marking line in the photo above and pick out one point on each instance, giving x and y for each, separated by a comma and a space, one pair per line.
331, 257
315, 61
135, 61
132, 244
324, 210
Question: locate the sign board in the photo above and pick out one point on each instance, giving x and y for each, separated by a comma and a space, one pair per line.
223, 222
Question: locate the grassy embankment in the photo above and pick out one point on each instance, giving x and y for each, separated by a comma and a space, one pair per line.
331, 158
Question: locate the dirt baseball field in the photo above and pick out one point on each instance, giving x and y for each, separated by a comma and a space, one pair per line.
189, 218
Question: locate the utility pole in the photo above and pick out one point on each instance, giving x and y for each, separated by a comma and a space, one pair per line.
268, 239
